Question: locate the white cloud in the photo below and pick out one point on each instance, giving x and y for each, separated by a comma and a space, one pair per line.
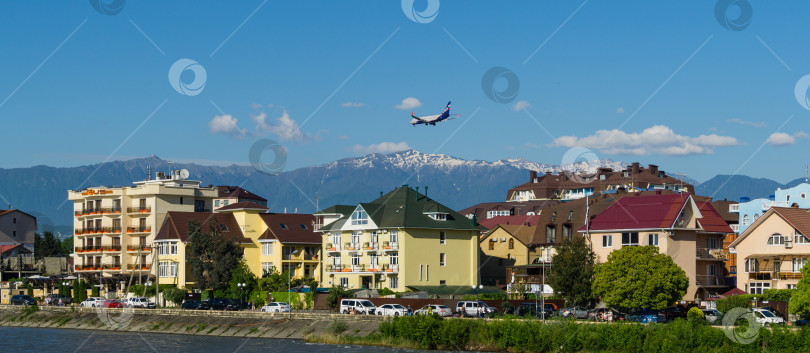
352, 105
382, 147
749, 123
658, 139
801, 135
285, 128
226, 124
780, 139
531, 145
520, 105
409, 103
620, 110
344, 137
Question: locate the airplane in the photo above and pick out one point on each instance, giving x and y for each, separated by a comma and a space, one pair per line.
432, 119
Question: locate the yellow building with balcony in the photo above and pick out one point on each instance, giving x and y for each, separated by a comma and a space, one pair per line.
402, 239
115, 227
280, 241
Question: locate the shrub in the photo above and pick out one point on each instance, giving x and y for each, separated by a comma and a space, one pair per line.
95, 292
335, 293
695, 315
30, 290
174, 295
507, 307
337, 327
384, 291
734, 301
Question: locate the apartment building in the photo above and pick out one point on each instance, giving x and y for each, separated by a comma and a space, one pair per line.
229, 195
749, 211
401, 240
115, 227
772, 250
17, 228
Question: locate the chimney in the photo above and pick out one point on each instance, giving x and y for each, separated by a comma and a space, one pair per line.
533, 176
417, 194
426, 191
635, 167
794, 205
381, 193
653, 169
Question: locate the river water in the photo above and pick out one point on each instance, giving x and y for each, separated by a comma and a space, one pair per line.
23, 339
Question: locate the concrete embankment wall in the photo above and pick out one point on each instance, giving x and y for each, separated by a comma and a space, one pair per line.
186, 322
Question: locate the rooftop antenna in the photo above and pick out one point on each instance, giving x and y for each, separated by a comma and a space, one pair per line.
682, 177
806, 173
148, 173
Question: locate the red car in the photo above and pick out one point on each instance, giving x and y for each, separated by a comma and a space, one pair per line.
113, 303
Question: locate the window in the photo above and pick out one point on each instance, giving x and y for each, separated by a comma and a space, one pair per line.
173, 269
442, 282
223, 227
442, 238
336, 241
344, 282
442, 259
551, 234
607, 241
630, 239
652, 239
359, 217
745, 220
394, 282
491, 214
267, 249
267, 268
758, 287
336, 262
566, 228
393, 259
163, 268
303, 227
216, 203
355, 239
420, 272
491, 244
798, 263
711, 270
14, 233
711, 243
355, 260
803, 195
173, 248
799, 238
394, 236
227, 202
751, 265
438, 216
163, 249
570, 215
776, 239
181, 200
373, 260
282, 226
14, 220
511, 244
791, 286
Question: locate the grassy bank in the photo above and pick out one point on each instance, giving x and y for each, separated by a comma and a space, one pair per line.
534, 336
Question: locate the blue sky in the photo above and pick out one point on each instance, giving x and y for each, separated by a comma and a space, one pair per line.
654, 82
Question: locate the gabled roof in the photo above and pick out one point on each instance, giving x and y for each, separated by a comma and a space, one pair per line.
495, 221
9, 211
242, 206
405, 208
296, 229
175, 226
337, 209
642, 212
799, 218
524, 234
5, 248
235, 191
712, 221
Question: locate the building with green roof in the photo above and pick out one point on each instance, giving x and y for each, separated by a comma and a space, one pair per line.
402, 239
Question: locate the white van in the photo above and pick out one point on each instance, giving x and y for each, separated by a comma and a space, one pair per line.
470, 308
361, 306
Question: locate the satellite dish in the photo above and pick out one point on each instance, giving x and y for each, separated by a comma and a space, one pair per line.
183, 173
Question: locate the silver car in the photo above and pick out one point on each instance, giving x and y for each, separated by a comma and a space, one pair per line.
92, 302
276, 307
392, 310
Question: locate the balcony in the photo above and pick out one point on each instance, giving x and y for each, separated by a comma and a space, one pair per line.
390, 268
112, 248
735, 227
111, 267
710, 281
88, 230
352, 247
89, 267
333, 247
145, 209
138, 267
711, 254
370, 246
770, 275
88, 249
768, 204
391, 246
140, 229
137, 248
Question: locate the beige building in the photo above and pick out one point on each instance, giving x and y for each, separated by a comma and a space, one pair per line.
17, 227
690, 233
114, 227
772, 251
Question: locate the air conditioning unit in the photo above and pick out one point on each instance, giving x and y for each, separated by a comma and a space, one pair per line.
503, 239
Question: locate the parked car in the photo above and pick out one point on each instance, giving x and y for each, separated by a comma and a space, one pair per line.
606, 314
194, 305
766, 317
674, 312
241, 304
575, 312
392, 310
113, 303
774, 311
276, 307
429, 309
645, 316
222, 304
537, 309
140, 302
92, 302
53, 299
361, 306
712, 316
22, 299
470, 308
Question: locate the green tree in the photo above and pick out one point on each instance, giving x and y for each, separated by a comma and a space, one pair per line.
241, 274
572, 273
800, 298
79, 291
30, 290
211, 257
95, 291
274, 281
47, 246
174, 295
639, 277
335, 293
67, 246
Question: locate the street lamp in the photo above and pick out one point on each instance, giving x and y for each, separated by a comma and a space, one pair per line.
241, 293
